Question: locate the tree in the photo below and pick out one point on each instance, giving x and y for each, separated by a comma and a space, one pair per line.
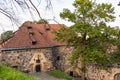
41, 21
10, 8
119, 4
90, 35
6, 35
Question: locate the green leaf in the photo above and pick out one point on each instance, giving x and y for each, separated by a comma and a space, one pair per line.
90, 36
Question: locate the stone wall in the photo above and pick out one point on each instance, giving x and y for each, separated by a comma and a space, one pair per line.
51, 58
62, 57
62, 60
94, 73
25, 60
0, 46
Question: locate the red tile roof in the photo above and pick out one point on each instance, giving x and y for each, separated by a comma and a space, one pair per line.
33, 36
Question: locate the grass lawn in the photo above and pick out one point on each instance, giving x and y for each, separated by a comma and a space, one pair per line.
7, 73
60, 74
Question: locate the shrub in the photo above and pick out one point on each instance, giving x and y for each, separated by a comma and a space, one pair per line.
60, 74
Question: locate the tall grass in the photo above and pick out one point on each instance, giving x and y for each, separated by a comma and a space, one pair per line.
7, 73
60, 74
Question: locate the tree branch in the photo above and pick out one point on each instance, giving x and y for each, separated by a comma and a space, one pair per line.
35, 9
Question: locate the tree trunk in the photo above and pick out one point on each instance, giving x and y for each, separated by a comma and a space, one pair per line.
83, 63
83, 71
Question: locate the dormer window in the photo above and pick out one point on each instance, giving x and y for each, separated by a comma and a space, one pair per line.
34, 42
31, 33
41, 33
29, 27
47, 28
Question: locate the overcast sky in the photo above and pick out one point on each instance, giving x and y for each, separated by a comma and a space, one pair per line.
58, 6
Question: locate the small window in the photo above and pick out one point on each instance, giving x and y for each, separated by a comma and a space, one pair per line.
38, 61
71, 73
29, 27
15, 67
34, 42
58, 57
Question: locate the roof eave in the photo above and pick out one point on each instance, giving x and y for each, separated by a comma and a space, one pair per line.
27, 48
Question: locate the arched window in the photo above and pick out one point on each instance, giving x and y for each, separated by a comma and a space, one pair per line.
38, 61
117, 76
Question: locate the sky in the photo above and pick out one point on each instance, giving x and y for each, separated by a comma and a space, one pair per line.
57, 7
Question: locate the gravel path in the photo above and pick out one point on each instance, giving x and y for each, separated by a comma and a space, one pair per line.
44, 76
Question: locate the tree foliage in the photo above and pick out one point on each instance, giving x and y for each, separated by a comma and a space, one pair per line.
91, 37
6, 35
41, 21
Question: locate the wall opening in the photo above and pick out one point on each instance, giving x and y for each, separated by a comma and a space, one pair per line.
71, 73
34, 42
38, 61
15, 67
47, 28
29, 27
38, 68
58, 57
117, 76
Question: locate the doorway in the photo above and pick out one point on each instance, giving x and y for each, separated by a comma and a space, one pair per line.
38, 68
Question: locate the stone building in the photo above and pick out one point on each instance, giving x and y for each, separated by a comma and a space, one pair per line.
33, 49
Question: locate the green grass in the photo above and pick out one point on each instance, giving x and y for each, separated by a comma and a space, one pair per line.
60, 74
7, 73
